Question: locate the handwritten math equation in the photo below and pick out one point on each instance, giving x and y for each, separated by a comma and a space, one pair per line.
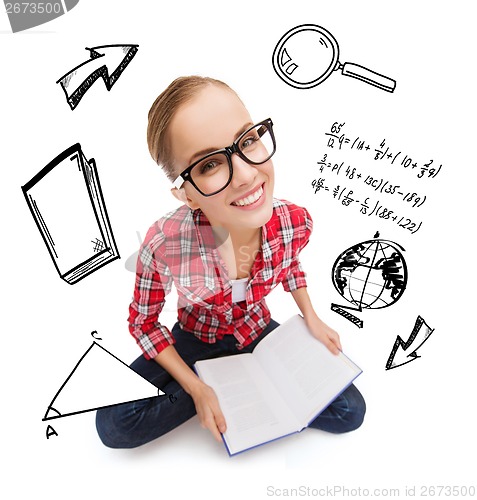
384, 192
379, 153
345, 195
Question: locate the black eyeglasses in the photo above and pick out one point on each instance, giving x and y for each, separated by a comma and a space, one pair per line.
213, 173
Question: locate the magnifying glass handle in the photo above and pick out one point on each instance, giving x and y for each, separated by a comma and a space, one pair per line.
368, 76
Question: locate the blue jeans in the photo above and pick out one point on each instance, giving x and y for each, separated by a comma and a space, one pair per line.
129, 425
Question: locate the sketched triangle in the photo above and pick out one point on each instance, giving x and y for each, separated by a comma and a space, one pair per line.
99, 379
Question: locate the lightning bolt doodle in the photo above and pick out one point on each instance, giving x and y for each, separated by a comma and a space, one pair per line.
399, 357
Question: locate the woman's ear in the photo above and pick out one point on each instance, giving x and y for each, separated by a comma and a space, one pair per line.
181, 195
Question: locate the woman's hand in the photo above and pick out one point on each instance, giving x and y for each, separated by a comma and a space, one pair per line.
205, 400
208, 409
324, 333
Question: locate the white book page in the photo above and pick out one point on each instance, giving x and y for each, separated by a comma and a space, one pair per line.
254, 411
305, 372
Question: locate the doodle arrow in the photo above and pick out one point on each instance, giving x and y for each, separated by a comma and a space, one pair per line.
106, 61
398, 357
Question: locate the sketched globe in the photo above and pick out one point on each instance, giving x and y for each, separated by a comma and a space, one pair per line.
371, 274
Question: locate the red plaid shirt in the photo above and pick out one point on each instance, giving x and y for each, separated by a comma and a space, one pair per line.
180, 249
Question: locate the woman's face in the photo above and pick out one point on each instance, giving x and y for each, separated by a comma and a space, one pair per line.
214, 119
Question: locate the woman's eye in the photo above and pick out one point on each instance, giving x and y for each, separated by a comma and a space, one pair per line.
249, 141
208, 167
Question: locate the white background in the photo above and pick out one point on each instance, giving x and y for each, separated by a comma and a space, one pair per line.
420, 423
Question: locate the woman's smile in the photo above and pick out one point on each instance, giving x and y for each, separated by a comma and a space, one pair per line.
252, 199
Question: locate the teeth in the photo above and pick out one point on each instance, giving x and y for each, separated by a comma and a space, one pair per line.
249, 199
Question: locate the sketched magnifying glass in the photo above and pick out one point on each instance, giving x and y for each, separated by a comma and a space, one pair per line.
308, 54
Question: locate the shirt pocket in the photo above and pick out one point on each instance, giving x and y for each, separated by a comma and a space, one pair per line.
200, 288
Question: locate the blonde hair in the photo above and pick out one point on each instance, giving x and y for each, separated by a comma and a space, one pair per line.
180, 91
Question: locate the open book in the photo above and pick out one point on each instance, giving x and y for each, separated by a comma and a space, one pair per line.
279, 388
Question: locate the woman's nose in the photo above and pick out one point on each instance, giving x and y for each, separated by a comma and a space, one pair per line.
243, 172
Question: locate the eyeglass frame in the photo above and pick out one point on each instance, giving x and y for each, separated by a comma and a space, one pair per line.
228, 151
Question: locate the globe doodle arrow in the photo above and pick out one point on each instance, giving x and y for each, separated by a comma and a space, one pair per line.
350, 317
399, 357
103, 58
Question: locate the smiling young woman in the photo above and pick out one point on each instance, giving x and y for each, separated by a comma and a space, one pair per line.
228, 245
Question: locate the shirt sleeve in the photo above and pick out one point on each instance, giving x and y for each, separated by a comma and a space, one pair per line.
153, 283
296, 277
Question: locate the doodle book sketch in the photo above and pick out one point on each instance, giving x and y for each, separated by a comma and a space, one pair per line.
106, 61
99, 379
67, 204
308, 54
369, 275
25, 15
420, 333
